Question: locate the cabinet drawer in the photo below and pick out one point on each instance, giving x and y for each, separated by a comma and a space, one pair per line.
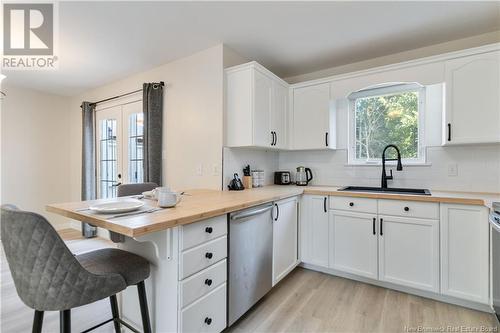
363, 205
203, 282
200, 257
207, 314
425, 210
203, 231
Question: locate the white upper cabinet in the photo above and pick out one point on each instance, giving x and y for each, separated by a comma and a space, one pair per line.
256, 107
472, 113
313, 119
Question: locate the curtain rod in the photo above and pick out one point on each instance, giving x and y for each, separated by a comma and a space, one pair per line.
122, 95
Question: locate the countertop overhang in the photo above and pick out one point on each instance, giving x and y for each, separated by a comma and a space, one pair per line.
201, 204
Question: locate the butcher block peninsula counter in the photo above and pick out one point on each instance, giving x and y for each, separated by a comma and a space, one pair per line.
200, 204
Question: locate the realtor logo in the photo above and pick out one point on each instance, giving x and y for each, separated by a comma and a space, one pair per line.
28, 36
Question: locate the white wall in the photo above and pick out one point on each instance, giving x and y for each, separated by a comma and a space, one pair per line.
193, 113
34, 150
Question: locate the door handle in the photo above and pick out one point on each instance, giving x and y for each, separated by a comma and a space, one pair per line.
326, 139
449, 131
272, 138
374, 220
277, 212
275, 138
381, 230
117, 184
324, 204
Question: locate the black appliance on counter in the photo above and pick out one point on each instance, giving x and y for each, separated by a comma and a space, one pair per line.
282, 178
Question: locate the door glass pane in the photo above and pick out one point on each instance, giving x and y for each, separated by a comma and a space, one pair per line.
108, 159
135, 148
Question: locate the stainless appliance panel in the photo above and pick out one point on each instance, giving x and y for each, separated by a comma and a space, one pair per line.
250, 259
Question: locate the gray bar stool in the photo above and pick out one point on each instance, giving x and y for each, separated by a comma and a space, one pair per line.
134, 189
48, 277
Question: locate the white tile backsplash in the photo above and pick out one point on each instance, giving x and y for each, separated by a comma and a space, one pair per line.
478, 169
235, 159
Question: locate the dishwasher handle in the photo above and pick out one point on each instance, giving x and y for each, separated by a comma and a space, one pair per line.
250, 213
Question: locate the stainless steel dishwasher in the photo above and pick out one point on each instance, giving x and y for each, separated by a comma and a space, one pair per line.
250, 258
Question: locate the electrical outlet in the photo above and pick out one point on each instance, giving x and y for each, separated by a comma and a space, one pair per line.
199, 170
452, 170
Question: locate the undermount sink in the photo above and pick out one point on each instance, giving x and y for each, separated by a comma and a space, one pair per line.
415, 191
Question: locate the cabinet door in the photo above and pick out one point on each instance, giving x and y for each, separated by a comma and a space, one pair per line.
279, 114
262, 110
314, 230
472, 99
284, 238
464, 237
409, 252
311, 117
354, 243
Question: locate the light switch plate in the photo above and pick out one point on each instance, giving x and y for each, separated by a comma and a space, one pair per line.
453, 170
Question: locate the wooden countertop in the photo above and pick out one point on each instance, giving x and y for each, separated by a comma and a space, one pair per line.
467, 198
197, 205
202, 204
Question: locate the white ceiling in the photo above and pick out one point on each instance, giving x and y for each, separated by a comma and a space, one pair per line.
104, 41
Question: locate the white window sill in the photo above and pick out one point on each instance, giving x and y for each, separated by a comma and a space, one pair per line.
388, 165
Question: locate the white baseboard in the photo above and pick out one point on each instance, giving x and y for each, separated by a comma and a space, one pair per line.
426, 294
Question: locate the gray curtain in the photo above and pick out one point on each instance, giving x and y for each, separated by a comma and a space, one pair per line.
152, 101
88, 161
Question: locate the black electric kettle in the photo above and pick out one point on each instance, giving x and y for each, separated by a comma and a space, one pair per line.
235, 184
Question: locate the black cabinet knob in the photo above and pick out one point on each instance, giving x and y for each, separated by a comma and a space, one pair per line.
407, 209
351, 204
209, 230
208, 282
209, 255
208, 321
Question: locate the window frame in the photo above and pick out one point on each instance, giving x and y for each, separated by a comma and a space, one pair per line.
382, 90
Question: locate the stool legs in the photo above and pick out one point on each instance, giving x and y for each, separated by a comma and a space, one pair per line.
146, 324
65, 321
37, 322
116, 314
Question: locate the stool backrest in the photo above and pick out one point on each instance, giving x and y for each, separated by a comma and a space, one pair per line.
46, 274
135, 189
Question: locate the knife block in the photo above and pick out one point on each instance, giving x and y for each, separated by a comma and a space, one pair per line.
247, 182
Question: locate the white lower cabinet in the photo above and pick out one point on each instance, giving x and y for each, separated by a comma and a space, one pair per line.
314, 235
465, 252
284, 238
353, 243
433, 247
208, 314
409, 252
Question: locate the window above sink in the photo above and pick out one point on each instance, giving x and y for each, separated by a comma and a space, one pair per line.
391, 113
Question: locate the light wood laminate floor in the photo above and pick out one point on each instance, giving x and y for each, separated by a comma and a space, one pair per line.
305, 301
308, 301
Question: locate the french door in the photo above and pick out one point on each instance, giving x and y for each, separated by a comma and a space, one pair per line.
119, 141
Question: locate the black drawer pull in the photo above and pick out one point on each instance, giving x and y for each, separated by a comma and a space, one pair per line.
381, 231
326, 139
208, 282
209, 255
407, 209
449, 132
351, 204
209, 230
324, 205
208, 321
374, 231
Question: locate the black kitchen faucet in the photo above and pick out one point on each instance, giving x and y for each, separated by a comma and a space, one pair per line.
399, 167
